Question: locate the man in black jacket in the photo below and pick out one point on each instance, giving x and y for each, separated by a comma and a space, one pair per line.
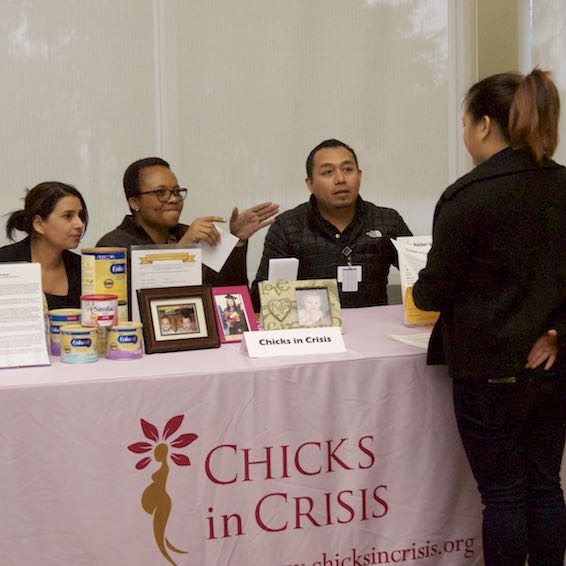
336, 234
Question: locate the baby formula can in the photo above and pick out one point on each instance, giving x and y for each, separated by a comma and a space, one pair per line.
99, 310
57, 319
78, 344
103, 270
124, 341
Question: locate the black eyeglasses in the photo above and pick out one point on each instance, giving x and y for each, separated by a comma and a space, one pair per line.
163, 194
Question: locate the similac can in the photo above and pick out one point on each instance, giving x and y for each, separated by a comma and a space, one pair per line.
103, 270
99, 310
78, 344
58, 318
124, 341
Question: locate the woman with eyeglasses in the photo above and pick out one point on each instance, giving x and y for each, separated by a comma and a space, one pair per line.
55, 218
156, 201
497, 274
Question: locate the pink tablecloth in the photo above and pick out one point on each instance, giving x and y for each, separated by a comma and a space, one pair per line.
330, 460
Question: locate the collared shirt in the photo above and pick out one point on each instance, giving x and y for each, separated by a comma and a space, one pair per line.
320, 248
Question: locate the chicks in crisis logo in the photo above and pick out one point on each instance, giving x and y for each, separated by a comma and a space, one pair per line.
155, 500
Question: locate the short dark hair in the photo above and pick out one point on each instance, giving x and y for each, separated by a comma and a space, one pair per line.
41, 201
322, 145
131, 179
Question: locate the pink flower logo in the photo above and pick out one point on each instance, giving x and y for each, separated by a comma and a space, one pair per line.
151, 433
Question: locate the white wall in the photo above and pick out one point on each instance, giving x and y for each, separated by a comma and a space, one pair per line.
234, 95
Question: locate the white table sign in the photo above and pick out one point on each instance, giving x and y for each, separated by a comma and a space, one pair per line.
22, 324
293, 342
152, 267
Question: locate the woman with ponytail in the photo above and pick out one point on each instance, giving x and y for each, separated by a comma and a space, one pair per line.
497, 274
54, 217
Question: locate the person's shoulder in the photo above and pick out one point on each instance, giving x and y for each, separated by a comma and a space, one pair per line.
116, 237
18, 251
379, 209
500, 169
373, 211
293, 214
122, 236
290, 221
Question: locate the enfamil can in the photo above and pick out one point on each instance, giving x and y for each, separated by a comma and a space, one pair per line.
57, 319
78, 344
103, 270
124, 341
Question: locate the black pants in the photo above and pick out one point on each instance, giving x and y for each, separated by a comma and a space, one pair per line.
513, 434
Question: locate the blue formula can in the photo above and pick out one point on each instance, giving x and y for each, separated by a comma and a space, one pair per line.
79, 344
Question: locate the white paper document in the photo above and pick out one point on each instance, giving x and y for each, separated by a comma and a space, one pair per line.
412, 252
420, 340
152, 267
22, 321
215, 256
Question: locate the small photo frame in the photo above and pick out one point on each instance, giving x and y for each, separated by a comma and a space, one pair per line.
234, 312
300, 304
177, 318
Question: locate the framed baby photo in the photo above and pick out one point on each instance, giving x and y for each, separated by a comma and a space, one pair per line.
234, 312
178, 318
300, 304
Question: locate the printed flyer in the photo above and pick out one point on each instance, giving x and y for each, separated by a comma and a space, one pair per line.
412, 252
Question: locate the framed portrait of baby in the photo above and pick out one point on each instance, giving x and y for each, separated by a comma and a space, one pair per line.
300, 304
178, 318
234, 312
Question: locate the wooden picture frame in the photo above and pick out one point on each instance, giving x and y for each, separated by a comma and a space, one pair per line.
300, 304
178, 318
234, 312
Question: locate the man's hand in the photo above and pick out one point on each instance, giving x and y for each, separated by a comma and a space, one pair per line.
247, 223
202, 229
544, 349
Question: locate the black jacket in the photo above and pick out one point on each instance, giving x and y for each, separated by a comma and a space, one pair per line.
320, 248
21, 251
497, 267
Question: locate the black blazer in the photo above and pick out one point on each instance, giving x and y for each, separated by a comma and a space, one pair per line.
497, 267
21, 251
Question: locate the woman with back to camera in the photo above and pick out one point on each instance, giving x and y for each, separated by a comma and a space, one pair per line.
54, 217
497, 274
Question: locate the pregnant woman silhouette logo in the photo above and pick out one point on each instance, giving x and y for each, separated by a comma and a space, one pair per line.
155, 500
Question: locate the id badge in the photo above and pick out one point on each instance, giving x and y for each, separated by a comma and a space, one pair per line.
350, 276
